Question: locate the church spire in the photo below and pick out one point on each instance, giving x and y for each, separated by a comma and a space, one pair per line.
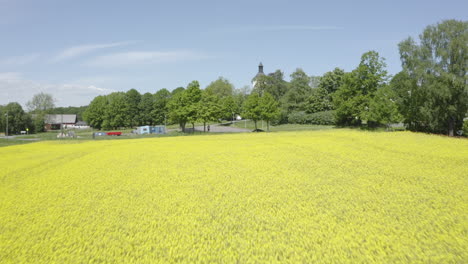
260, 68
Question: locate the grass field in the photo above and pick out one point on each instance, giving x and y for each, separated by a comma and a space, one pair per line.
330, 196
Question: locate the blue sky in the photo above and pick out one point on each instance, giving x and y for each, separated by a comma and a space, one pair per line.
77, 50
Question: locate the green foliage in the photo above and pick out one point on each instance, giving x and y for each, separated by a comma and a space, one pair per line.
252, 108
352, 99
332, 80
383, 107
299, 90
38, 123
272, 83
269, 108
465, 128
132, 107
229, 107
209, 108
319, 118
95, 113
145, 108
160, 106
18, 120
177, 90
318, 101
183, 105
116, 112
435, 78
220, 88
41, 103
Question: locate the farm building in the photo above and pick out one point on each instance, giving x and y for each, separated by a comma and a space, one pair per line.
151, 130
53, 122
79, 125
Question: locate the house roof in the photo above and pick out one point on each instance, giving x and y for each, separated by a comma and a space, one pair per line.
59, 119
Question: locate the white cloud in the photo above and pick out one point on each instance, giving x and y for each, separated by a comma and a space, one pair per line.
80, 50
15, 88
143, 57
20, 60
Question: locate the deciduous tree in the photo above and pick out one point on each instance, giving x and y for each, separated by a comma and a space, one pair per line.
438, 67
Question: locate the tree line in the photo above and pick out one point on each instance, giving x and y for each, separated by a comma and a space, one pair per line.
430, 94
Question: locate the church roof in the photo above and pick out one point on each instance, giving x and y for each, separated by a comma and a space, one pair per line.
260, 71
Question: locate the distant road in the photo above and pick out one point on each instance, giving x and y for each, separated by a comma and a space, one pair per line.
223, 129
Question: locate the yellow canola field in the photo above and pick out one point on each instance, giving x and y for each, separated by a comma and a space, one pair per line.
335, 196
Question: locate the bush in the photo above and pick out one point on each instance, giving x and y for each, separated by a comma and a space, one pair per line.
323, 118
319, 118
465, 128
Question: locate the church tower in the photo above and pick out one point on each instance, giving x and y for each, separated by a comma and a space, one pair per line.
260, 73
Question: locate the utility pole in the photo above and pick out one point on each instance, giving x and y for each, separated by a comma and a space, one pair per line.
6, 131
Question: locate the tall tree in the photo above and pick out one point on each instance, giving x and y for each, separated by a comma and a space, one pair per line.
18, 120
269, 108
183, 105
177, 90
95, 113
332, 80
209, 108
116, 113
229, 107
277, 86
383, 108
132, 101
438, 67
252, 108
352, 99
145, 108
160, 107
273, 83
41, 103
319, 100
299, 91
221, 88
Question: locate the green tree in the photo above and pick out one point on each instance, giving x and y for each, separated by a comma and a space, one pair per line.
209, 108
132, 101
145, 108
95, 113
41, 103
352, 99
116, 112
229, 107
318, 101
332, 80
18, 120
160, 106
383, 107
273, 83
183, 105
299, 90
221, 88
438, 67
177, 90
269, 108
277, 85
252, 108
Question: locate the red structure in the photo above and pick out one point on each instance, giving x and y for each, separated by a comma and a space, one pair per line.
114, 133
